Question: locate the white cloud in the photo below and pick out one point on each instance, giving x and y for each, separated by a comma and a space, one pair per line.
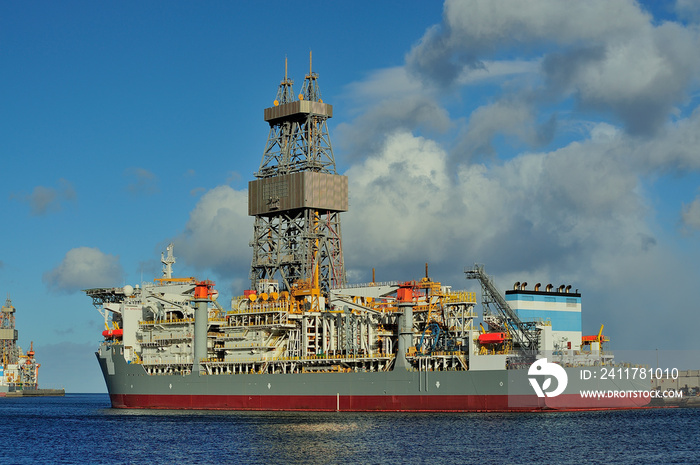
471, 30
606, 54
82, 268
639, 78
691, 214
513, 118
217, 233
604, 133
490, 70
366, 133
384, 83
688, 9
574, 215
498, 22
406, 203
676, 147
396, 199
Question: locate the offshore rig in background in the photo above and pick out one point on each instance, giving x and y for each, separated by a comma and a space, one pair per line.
19, 371
302, 338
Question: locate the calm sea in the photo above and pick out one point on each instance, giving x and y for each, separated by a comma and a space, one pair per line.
81, 428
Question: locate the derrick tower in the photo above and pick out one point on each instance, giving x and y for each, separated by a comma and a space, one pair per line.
298, 196
8, 334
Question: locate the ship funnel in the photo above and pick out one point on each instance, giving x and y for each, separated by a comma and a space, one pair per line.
549, 287
516, 286
523, 286
405, 334
568, 288
561, 288
537, 287
202, 295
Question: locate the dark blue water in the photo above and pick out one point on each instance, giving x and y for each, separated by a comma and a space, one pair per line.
81, 428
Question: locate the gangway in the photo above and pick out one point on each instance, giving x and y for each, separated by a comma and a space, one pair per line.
524, 333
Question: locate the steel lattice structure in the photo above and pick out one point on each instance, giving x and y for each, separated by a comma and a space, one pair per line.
8, 334
298, 196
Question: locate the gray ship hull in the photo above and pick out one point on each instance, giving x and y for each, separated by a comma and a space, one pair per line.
130, 386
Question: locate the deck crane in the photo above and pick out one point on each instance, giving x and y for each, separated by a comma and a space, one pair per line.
524, 334
587, 342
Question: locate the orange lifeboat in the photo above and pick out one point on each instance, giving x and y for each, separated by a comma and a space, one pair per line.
492, 338
113, 333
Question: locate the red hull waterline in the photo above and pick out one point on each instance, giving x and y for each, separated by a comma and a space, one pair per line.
472, 403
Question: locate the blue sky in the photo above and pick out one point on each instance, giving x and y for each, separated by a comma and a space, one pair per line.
552, 142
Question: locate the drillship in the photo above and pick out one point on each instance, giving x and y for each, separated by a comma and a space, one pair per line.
303, 339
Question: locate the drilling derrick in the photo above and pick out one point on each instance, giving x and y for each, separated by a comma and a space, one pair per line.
8, 334
298, 196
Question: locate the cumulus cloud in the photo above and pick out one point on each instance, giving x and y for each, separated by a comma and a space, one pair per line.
365, 134
507, 117
572, 215
383, 84
82, 268
639, 78
44, 200
217, 233
579, 202
676, 147
568, 206
504, 71
396, 198
691, 214
688, 9
473, 29
608, 55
